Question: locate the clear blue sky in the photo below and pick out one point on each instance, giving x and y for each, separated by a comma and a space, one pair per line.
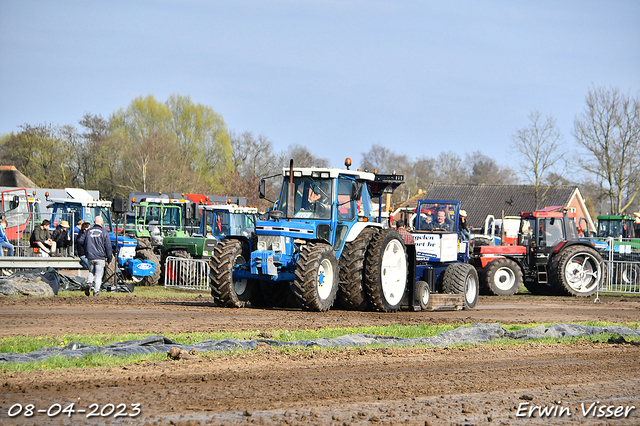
337, 76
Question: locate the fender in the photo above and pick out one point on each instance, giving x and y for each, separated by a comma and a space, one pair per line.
357, 228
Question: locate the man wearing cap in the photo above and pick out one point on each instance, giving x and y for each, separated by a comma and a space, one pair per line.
97, 248
463, 228
41, 238
61, 236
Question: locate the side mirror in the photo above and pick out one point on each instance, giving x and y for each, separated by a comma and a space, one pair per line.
261, 189
16, 201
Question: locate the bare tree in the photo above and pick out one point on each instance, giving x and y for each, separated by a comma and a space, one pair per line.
608, 131
451, 169
486, 170
539, 148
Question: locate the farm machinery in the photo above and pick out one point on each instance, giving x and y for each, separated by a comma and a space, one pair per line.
135, 264
549, 258
618, 239
322, 244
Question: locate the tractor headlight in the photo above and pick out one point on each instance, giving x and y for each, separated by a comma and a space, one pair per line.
262, 245
276, 247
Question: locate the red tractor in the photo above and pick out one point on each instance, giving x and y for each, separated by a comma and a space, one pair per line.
549, 258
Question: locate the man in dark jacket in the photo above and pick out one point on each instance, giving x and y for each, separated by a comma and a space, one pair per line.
97, 248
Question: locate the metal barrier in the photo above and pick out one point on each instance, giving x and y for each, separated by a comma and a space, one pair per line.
621, 265
190, 274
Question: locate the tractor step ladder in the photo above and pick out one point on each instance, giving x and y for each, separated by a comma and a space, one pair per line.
543, 276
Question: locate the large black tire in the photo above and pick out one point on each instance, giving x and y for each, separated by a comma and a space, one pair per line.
226, 291
316, 283
462, 278
576, 271
351, 292
386, 271
502, 277
148, 254
143, 243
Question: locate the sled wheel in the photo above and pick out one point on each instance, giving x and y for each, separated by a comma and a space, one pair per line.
423, 295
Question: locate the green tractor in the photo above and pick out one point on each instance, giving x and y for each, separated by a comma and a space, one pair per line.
219, 221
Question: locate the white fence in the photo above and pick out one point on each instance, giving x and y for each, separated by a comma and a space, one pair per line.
186, 273
621, 265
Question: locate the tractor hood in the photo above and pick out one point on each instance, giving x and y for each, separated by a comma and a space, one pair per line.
286, 228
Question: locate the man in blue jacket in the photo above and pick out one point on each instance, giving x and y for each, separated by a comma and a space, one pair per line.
97, 248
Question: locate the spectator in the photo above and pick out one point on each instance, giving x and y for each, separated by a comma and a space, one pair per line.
4, 242
41, 239
463, 227
401, 227
97, 248
80, 247
61, 237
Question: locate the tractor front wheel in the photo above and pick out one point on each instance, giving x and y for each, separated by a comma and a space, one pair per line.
386, 271
226, 290
316, 282
503, 277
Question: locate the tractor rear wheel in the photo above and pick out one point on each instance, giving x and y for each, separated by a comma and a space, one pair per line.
227, 291
576, 271
316, 283
148, 254
386, 271
351, 292
462, 278
503, 277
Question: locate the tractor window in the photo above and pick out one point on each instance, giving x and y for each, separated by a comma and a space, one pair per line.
313, 198
92, 212
242, 224
221, 224
171, 218
552, 232
525, 235
345, 205
433, 216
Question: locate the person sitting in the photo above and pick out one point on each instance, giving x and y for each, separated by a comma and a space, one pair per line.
4, 242
463, 227
319, 201
41, 239
442, 222
61, 236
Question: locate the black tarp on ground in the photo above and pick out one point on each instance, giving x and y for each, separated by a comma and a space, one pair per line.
477, 333
48, 282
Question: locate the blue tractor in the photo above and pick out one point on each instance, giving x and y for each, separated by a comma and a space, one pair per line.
135, 265
322, 243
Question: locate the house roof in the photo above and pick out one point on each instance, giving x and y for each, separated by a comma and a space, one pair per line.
10, 176
482, 200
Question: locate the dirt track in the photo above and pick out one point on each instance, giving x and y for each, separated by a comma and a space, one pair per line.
479, 385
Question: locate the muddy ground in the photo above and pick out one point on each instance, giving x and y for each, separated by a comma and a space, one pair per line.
477, 385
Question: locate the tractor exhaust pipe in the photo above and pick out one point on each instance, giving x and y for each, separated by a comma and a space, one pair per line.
291, 195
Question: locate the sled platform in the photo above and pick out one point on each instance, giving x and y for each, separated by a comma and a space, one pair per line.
445, 302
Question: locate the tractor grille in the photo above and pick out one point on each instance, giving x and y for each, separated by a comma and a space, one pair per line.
271, 242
